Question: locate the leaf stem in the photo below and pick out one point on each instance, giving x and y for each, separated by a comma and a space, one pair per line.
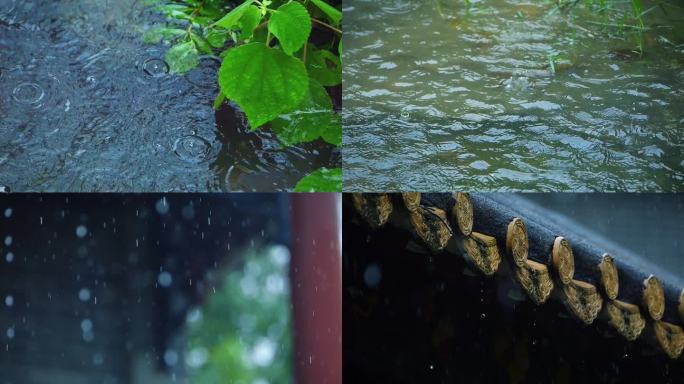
326, 25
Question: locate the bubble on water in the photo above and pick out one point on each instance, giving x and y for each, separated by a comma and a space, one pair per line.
372, 275
84, 294
8, 240
28, 94
9, 300
155, 67
8, 212
9, 257
165, 279
81, 231
192, 148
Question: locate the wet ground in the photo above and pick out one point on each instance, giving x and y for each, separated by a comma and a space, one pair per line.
85, 105
441, 96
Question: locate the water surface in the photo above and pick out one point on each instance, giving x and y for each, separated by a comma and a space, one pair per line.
441, 96
85, 105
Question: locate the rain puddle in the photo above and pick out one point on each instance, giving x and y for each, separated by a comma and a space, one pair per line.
512, 95
85, 105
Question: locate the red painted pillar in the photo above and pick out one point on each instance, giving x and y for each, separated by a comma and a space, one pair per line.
316, 280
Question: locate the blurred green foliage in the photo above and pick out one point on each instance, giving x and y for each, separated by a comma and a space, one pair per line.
243, 332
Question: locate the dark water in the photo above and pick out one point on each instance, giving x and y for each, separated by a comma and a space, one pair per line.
86, 106
439, 96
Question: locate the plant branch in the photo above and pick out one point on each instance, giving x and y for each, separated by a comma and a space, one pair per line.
326, 25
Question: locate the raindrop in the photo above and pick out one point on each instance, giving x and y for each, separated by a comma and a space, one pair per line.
28, 94
8, 212
9, 300
86, 325
197, 357
192, 149
84, 294
164, 279
155, 67
162, 206
98, 359
263, 352
188, 212
170, 357
10, 332
81, 231
8, 240
372, 275
88, 336
9, 257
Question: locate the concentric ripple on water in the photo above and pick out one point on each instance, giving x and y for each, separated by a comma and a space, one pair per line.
191, 148
86, 105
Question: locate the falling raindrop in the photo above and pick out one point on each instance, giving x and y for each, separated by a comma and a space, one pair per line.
8, 240
170, 357
9, 300
9, 257
84, 294
98, 359
10, 332
372, 275
162, 206
86, 325
8, 212
81, 231
164, 279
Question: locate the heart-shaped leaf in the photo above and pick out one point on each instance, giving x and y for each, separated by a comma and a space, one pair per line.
264, 82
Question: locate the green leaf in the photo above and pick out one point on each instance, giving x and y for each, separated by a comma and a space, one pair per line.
321, 180
156, 34
231, 18
264, 82
216, 38
291, 24
333, 13
182, 57
249, 21
313, 118
325, 67
201, 44
333, 134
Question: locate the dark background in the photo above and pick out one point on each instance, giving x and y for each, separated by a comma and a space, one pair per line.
130, 241
411, 316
